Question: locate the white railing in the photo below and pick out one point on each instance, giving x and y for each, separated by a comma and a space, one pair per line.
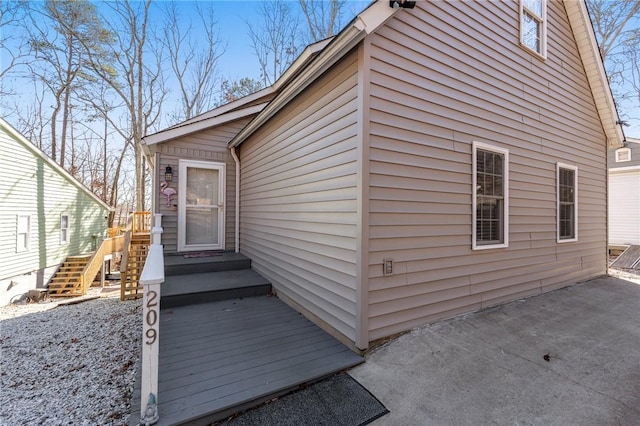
151, 278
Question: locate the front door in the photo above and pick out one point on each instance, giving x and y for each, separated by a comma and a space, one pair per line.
201, 205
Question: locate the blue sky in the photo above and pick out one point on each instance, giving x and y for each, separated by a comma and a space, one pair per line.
232, 16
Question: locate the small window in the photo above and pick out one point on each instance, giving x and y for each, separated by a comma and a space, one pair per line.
490, 197
64, 229
622, 155
23, 233
533, 25
567, 193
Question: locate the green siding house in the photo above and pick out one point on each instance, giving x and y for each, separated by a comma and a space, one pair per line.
45, 216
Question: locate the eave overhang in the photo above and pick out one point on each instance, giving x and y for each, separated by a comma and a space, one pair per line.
363, 24
592, 61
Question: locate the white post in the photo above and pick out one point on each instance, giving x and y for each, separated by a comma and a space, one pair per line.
151, 278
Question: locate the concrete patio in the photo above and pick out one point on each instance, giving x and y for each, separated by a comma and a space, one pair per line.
568, 357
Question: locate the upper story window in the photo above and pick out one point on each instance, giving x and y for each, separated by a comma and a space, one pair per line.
490, 197
533, 25
567, 193
64, 229
23, 233
622, 155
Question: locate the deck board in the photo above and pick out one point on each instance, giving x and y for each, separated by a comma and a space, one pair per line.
220, 357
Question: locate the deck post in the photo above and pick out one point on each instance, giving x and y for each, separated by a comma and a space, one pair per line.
151, 279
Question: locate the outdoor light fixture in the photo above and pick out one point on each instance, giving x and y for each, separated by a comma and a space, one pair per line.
402, 3
168, 174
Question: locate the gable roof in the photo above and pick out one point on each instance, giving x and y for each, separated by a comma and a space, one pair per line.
363, 24
240, 108
11, 131
379, 12
592, 61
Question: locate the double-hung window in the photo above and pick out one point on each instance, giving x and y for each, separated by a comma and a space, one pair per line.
64, 229
23, 233
490, 197
567, 203
533, 26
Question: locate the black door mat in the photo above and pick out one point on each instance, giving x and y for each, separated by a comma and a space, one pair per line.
337, 401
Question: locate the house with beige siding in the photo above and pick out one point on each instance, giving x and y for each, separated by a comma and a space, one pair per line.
46, 215
624, 194
423, 163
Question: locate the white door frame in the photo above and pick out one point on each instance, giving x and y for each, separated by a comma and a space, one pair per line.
182, 203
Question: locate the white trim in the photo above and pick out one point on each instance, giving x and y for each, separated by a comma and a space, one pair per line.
192, 127
234, 110
182, 204
621, 150
592, 61
623, 169
505, 179
543, 30
575, 205
27, 242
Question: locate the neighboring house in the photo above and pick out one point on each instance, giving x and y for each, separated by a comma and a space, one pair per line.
624, 194
422, 163
45, 216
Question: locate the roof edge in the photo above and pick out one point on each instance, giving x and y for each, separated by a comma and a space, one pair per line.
31, 147
365, 23
196, 126
582, 28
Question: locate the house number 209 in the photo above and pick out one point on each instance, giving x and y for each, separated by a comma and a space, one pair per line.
152, 317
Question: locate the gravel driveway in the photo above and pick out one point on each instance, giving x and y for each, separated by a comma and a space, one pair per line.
69, 364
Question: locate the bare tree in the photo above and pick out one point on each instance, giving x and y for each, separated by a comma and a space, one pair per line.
59, 45
31, 119
617, 28
12, 48
275, 39
323, 17
135, 77
610, 20
193, 60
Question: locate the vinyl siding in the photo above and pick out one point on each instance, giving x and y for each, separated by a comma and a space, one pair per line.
207, 145
624, 197
446, 74
624, 207
299, 199
32, 187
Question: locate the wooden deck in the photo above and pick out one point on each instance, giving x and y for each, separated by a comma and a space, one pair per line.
222, 357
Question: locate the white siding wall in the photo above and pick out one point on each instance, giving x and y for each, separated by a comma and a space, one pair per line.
446, 74
207, 145
299, 199
31, 187
624, 207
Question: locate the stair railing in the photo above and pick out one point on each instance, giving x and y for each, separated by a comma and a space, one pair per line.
151, 278
107, 247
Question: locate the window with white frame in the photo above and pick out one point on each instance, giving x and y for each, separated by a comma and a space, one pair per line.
622, 155
490, 196
533, 25
567, 193
23, 233
64, 228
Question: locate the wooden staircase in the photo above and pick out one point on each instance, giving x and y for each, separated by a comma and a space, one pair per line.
137, 242
67, 282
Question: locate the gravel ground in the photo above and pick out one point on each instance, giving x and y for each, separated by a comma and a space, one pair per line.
69, 364
76, 364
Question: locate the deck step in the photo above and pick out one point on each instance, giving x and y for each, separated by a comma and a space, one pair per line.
190, 263
220, 358
191, 289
